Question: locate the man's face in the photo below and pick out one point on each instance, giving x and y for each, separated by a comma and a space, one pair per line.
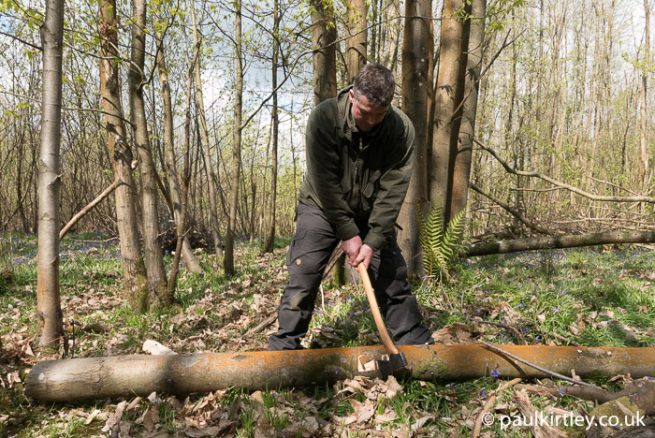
366, 114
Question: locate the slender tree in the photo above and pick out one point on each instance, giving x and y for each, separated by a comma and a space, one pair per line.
643, 103
49, 181
448, 98
156, 274
120, 153
417, 101
462, 167
269, 239
210, 170
357, 28
228, 261
172, 174
324, 37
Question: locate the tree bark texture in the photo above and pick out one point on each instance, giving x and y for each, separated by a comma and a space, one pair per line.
49, 181
324, 37
228, 260
554, 242
449, 92
417, 101
172, 174
102, 377
120, 153
159, 295
463, 158
357, 24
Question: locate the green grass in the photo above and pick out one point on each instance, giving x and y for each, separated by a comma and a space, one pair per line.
575, 297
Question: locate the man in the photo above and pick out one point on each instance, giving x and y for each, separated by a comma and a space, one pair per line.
359, 155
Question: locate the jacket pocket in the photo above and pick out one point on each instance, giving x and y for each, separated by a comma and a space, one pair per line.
372, 185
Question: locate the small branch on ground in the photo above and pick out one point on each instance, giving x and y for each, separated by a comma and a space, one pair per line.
514, 357
491, 401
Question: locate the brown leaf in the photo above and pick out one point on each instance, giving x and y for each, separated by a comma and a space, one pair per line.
116, 417
393, 387
199, 433
389, 415
151, 418
456, 333
418, 424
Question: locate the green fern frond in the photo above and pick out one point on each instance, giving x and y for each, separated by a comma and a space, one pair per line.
440, 245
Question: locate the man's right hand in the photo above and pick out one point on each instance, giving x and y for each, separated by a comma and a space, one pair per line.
351, 247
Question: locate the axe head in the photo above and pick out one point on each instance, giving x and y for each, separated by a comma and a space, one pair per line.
391, 364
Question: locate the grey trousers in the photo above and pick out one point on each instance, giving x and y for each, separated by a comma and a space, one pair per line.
308, 256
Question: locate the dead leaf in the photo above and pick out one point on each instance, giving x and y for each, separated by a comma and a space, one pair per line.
389, 415
199, 433
418, 424
456, 333
393, 387
115, 418
150, 418
156, 349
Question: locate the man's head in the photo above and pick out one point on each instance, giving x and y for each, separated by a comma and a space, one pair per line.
371, 95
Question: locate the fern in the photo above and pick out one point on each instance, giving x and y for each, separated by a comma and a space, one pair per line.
440, 246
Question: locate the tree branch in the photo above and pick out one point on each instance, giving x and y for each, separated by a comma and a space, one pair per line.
532, 174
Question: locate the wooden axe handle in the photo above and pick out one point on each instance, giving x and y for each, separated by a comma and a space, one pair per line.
375, 309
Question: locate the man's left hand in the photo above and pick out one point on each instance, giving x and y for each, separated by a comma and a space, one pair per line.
364, 256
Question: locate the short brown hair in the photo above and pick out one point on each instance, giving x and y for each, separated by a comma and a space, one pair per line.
376, 82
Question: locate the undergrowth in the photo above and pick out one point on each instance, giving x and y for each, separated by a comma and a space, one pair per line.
576, 297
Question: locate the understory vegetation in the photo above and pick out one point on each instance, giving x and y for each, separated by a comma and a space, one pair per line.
589, 297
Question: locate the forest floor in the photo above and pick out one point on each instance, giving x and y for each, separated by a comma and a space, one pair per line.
584, 297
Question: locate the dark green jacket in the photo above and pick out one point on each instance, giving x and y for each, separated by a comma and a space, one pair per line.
356, 177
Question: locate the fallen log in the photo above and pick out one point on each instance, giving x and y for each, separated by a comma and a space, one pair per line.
557, 242
101, 377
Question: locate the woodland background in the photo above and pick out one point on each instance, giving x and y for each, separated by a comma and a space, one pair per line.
533, 122
191, 116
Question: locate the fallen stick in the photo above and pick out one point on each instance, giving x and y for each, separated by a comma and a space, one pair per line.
537, 367
491, 401
101, 377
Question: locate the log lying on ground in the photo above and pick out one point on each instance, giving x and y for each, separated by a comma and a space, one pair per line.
556, 242
101, 377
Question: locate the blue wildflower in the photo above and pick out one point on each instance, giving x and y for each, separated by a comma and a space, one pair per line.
495, 373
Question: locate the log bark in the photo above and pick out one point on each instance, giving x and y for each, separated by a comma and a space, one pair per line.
101, 377
556, 242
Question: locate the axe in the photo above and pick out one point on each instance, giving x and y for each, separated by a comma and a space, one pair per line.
397, 360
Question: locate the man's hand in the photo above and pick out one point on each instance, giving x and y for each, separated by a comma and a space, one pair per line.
364, 256
351, 247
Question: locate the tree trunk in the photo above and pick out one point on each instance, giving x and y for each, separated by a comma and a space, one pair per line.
269, 239
228, 261
553, 242
324, 37
156, 273
47, 282
643, 99
462, 168
134, 270
417, 99
357, 21
210, 170
172, 175
449, 92
103, 377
